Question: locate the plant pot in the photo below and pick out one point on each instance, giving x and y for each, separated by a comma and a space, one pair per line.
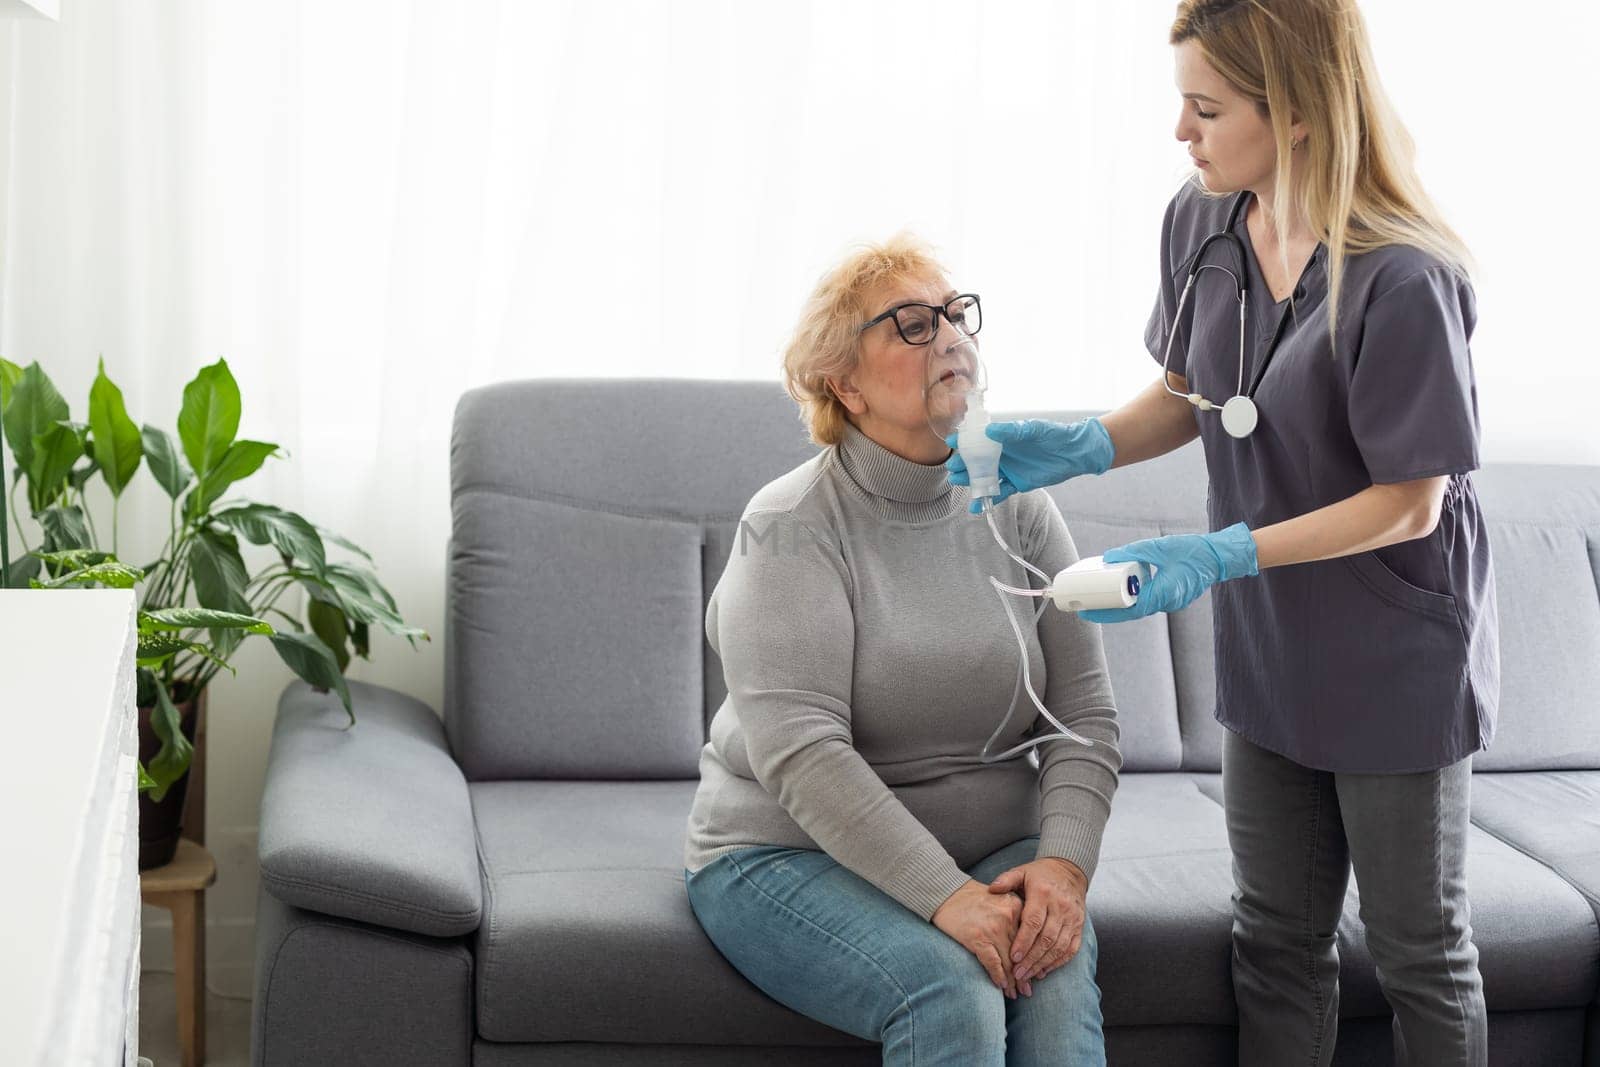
161, 823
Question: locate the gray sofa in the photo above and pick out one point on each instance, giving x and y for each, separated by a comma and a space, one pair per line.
504, 886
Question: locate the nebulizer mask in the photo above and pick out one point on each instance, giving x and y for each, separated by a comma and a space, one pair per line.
953, 388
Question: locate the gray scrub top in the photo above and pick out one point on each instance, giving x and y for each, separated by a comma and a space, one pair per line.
1382, 662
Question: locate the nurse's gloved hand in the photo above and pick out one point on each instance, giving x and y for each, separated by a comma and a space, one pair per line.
1037, 452
1186, 565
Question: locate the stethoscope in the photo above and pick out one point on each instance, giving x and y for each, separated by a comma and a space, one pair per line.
1239, 413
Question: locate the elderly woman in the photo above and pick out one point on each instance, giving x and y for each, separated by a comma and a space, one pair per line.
849, 851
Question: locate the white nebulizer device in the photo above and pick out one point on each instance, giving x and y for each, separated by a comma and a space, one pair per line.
1091, 584
954, 389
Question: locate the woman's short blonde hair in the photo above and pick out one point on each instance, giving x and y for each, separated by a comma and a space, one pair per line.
826, 342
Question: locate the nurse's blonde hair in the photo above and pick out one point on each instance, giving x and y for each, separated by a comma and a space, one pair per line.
1311, 59
827, 339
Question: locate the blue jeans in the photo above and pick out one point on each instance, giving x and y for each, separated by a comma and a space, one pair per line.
830, 945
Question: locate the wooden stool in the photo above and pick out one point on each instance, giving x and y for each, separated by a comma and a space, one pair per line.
180, 887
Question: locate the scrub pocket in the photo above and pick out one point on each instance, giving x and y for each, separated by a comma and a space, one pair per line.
1385, 583
1394, 691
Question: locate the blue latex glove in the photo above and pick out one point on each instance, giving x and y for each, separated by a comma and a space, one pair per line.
1186, 565
1037, 452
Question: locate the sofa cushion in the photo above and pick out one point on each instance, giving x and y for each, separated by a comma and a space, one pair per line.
587, 932
574, 644
1193, 663
1537, 942
1139, 659
576, 616
720, 540
588, 935
1162, 905
372, 821
1553, 816
1549, 716
1544, 532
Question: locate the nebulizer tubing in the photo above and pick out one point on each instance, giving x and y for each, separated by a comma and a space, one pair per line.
1024, 675
954, 386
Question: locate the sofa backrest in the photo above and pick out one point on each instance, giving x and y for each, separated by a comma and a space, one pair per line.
591, 519
1544, 532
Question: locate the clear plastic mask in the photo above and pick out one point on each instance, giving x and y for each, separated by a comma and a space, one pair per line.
952, 374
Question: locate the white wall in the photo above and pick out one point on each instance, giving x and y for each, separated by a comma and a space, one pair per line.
369, 207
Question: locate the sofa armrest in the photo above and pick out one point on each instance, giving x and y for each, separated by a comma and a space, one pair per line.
370, 822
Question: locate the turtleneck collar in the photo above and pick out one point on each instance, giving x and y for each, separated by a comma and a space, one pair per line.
901, 488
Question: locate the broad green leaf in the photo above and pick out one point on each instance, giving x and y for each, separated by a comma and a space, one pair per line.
75, 558
264, 524
219, 573
116, 439
9, 373
239, 461
35, 407
113, 574
209, 418
63, 528
318, 588
166, 465
330, 536
362, 582
313, 661
361, 587
54, 452
156, 649
226, 642
361, 596
367, 578
352, 597
172, 761
328, 623
146, 783
220, 578
200, 618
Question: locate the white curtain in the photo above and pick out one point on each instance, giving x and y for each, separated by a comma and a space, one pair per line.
368, 207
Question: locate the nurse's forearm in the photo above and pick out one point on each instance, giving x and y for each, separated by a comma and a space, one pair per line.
1151, 424
1377, 516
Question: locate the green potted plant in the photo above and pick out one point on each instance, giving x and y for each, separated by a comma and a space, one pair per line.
198, 597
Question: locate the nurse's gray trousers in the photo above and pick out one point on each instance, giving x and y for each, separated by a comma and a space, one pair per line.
1295, 834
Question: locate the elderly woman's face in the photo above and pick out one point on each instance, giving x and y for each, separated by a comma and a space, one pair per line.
885, 392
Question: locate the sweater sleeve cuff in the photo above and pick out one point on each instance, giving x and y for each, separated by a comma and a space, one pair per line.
1077, 840
924, 881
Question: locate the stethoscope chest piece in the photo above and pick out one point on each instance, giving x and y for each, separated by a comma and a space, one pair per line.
1239, 416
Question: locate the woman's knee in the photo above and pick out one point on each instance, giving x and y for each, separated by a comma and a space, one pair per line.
1073, 983
957, 1007
1428, 948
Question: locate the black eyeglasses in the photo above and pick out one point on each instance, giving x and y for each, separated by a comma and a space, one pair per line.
917, 323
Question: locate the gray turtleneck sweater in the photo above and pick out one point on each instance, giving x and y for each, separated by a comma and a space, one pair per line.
868, 659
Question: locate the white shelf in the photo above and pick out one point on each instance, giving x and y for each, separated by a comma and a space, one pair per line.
72, 907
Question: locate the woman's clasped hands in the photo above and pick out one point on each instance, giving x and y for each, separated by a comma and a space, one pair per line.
1021, 926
